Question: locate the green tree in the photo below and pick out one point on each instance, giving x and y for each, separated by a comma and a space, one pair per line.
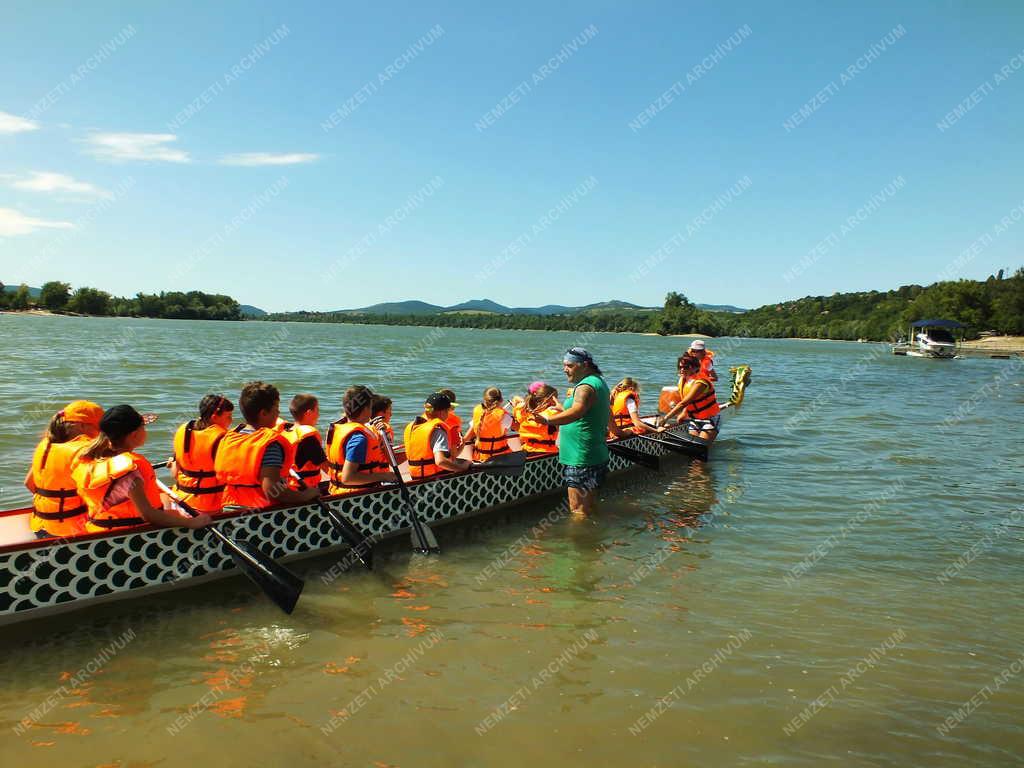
54, 295
21, 298
90, 301
4, 297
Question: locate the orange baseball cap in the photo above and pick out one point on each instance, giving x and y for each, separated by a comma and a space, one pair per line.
83, 412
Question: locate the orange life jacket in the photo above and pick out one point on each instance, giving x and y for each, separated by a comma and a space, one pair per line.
491, 439
94, 478
238, 464
454, 426
706, 362
196, 482
620, 411
57, 507
706, 405
668, 399
417, 446
338, 436
309, 472
536, 436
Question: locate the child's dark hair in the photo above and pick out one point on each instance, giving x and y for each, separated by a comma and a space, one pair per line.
301, 405
379, 405
210, 406
257, 396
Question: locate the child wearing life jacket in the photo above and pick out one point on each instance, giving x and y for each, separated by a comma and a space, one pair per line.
195, 449
57, 509
536, 436
356, 456
626, 407
455, 437
118, 483
302, 433
380, 416
254, 457
491, 426
428, 448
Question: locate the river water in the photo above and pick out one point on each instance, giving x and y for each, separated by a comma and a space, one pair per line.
840, 584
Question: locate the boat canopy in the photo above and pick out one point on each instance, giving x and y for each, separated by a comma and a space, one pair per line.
936, 324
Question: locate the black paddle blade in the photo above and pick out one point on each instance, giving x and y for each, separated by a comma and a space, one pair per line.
423, 539
360, 544
644, 459
503, 464
277, 582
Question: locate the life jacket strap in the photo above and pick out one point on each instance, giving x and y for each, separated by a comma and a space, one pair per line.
47, 493
61, 516
116, 522
196, 474
200, 491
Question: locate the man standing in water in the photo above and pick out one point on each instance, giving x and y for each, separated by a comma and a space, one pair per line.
583, 427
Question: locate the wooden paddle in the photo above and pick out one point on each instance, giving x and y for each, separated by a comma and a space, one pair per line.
423, 539
360, 544
277, 582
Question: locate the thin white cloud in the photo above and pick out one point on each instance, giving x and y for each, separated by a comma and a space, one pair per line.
16, 124
14, 222
45, 181
136, 146
269, 158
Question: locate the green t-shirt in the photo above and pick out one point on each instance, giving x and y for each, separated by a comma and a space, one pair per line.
582, 443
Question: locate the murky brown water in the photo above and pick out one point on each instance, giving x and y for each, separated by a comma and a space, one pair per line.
828, 590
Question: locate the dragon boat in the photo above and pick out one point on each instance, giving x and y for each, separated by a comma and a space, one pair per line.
40, 578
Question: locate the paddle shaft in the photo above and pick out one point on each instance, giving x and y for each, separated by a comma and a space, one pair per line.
423, 537
356, 540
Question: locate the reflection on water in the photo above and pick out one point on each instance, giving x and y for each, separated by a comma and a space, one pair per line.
539, 639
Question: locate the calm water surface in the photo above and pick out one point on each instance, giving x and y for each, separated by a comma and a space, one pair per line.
840, 579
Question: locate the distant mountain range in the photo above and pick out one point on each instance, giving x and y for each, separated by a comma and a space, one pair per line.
33, 292
248, 310
486, 306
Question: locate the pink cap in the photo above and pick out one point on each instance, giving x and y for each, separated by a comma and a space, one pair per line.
535, 386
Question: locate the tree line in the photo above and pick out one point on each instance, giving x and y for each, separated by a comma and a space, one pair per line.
57, 296
993, 304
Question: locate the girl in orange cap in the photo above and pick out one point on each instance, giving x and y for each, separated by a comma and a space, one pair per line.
57, 509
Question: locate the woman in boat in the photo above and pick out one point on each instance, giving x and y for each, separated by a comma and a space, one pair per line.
697, 402
307, 446
118, 483
195, 448
491, 426
626, 407
535, 436
356, 457
57, 509
584, 425
427, 445
705, 357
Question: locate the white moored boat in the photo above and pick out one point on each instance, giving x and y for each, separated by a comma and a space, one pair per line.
930, 338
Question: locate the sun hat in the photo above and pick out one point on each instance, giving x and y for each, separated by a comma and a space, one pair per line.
438, 402
120, 421
83, 412
698, 345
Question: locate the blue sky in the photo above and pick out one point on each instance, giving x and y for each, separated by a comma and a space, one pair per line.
316, 177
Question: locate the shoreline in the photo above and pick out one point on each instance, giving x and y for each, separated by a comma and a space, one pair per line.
1011, 344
